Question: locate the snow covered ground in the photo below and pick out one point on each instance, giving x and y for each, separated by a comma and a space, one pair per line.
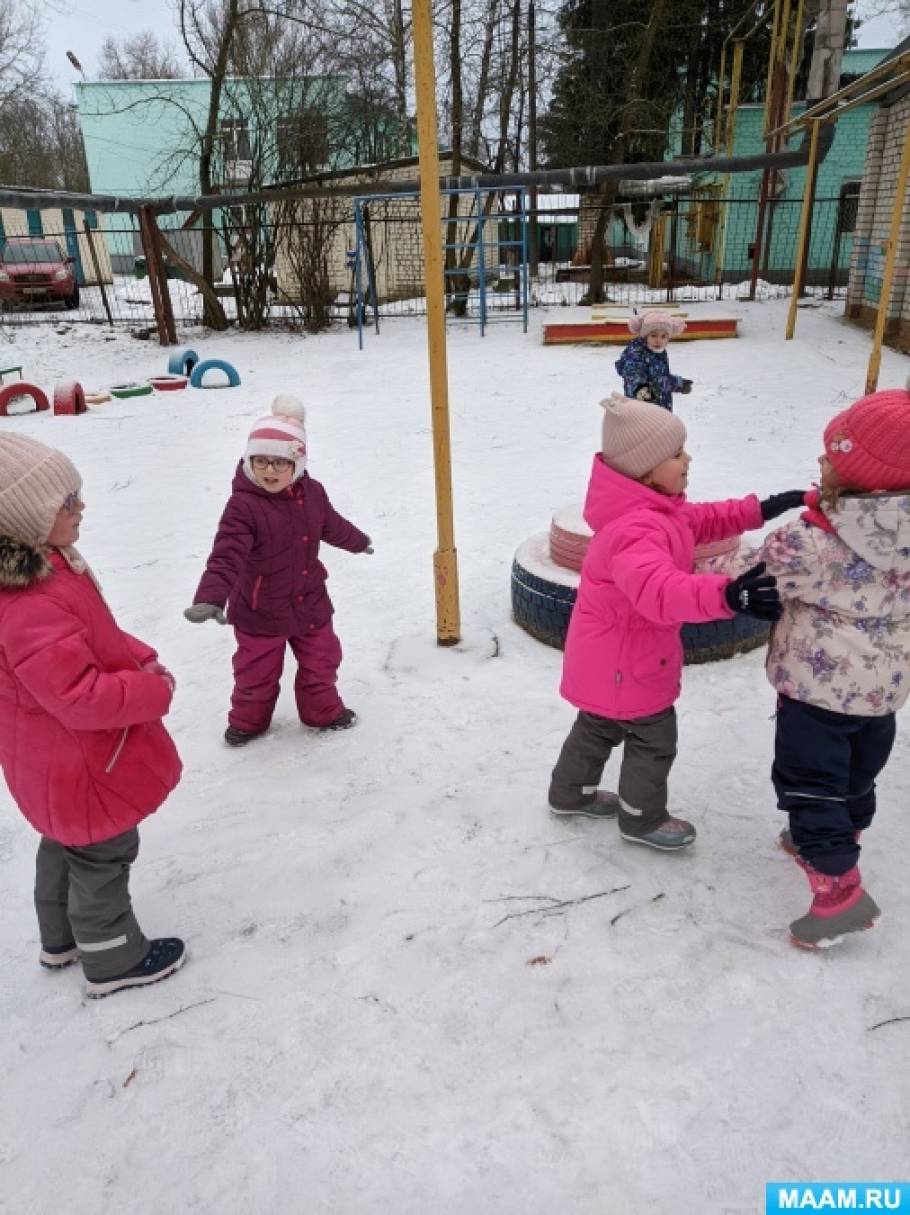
385, 1010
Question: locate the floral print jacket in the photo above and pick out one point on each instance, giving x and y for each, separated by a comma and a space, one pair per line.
843, 642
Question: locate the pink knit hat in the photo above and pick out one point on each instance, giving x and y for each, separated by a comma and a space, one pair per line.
653, 322
35, 481
282, 433
869, 443
637, 436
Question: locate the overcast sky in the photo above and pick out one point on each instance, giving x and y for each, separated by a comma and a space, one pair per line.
82, 25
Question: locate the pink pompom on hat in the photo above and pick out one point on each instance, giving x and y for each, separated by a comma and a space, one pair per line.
281, 433
655, 322
869, 443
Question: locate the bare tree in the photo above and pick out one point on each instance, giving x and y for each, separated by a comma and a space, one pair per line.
141, 57
21, 55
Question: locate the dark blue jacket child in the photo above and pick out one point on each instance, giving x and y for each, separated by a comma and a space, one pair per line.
646, 371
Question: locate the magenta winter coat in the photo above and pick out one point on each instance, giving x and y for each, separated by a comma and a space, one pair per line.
81, 741
624, 656
265, 562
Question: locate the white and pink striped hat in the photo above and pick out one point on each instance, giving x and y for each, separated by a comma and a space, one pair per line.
282, 433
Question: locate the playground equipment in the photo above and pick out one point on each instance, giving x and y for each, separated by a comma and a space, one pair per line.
22, 389
69, 399
168, 383
610, 326
485, 253
214, 365
545, 577
182, 362
134, 388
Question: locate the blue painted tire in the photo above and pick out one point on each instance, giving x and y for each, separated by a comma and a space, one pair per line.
544, 595
183, 362
214, 365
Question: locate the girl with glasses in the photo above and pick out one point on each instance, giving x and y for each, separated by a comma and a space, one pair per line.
265, 569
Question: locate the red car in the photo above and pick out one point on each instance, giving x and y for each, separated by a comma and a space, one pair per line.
35, 270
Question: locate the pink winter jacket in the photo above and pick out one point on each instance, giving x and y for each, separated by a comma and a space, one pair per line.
623, 656
82, 745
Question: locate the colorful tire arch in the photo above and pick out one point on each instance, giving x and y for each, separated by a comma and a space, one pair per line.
69, 399
20, 388
214, 365
182, 362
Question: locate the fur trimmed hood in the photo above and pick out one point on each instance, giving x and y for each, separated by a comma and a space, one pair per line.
21, 564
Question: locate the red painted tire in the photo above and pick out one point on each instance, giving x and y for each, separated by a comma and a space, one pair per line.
69, 398
168, 383
21, 389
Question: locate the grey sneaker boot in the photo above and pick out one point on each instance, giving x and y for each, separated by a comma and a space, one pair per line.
53, 957
605, 805
670, 836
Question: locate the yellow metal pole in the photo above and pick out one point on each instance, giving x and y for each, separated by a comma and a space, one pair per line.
900, 202
808, 203
445, 559
794, 58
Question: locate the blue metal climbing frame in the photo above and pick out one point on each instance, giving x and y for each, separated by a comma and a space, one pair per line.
490, 263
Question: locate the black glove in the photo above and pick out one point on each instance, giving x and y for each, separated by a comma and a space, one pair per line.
686, 387
754, 593
643, 393
779, 504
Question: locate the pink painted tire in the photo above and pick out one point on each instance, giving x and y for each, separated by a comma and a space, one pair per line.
69, 399
570, 537
21, 389
168, 383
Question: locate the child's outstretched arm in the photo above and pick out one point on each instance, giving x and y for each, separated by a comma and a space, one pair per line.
50, 654
640, 564
713, 521
341, 533
230, 552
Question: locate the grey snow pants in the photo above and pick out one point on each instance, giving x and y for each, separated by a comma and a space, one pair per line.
82, 895
649, 749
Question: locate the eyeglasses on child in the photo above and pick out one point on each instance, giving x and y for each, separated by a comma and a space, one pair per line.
278, 463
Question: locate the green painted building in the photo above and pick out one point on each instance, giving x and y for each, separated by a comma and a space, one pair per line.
721, 217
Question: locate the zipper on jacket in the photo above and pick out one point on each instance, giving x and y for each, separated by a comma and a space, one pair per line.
254, 602
111, 763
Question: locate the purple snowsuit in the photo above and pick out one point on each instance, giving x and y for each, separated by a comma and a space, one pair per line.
265, 567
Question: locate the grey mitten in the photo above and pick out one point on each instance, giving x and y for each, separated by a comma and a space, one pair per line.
685, 387
200, 612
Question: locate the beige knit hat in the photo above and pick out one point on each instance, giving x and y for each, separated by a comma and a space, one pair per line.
34, 482
637, 436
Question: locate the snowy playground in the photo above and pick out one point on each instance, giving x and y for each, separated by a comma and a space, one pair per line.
410, 989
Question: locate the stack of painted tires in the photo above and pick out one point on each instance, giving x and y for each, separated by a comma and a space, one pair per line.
545, 575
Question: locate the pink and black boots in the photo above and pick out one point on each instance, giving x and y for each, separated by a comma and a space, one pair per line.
839, 905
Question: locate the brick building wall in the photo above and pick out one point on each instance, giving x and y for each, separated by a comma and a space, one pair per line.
876, 203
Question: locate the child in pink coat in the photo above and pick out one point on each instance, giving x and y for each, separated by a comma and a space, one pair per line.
623, 657
82, 744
